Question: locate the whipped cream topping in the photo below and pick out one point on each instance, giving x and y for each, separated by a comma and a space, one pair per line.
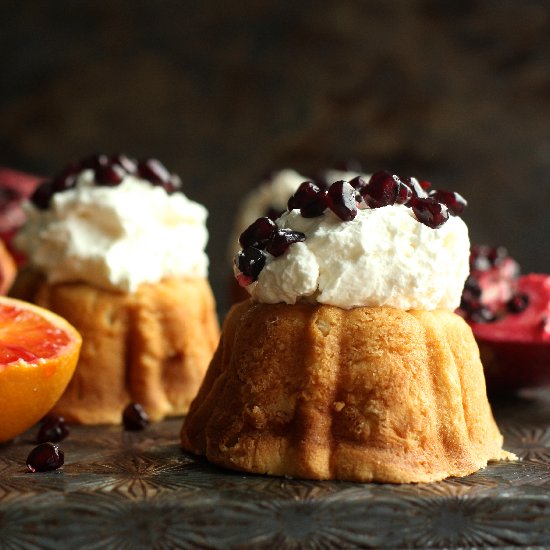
115, 237
270, 194
384, 257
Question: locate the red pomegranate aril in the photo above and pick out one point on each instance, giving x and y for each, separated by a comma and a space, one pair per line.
110, 175
497, 254
455, 202
42, 195
306, 193
130, 165
417, 190
430, 212
154, 171
173, 185
280, 242
45, 458
425, 185
273, 213
95, 161
517, 303
316, 207
382, 190
258, 233
481, 314
134, 417
53, 429
244, 280
404, 194
358, 183
472, 287
250, 262
341, 200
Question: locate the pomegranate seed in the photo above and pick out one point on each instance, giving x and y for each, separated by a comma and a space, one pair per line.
110, 175
404, 194
94, 161
482, 314
173, 185
42, 195
469, 303
478, 258
416, 188
358, 183
45, 457
154, 171
280, 242
258, 233
134, 417
517, 303
126, 162
497, 255
430, 212
250, 262
455, 202
273, 214
53, 429
472, 286
341, 200
244, 280
310, 199
382, 190
425, 185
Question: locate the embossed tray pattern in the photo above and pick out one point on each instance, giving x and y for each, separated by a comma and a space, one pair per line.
139, 490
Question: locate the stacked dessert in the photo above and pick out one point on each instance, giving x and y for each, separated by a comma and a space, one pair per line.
349, 361
117, 249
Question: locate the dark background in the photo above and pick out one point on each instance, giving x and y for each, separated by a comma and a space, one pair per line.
455, 92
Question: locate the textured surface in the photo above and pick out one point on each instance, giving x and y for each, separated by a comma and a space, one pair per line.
456, 92
139, 490
370, 393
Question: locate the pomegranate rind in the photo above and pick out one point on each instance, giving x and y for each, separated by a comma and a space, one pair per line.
29, 389
515, 350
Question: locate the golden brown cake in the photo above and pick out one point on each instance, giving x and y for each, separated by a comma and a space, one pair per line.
366, 394
151, 347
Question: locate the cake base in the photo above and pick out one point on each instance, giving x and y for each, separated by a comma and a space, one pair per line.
150, 347
367, 394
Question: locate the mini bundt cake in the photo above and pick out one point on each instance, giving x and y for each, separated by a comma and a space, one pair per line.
150, 347
117, 249
349, 363
369, 393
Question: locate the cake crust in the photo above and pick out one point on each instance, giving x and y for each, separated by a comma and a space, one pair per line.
151, 347
366, 394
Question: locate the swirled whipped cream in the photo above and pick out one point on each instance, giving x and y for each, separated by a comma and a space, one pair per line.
115, 237
384, 257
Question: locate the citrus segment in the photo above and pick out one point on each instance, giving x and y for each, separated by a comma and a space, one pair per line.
38, 354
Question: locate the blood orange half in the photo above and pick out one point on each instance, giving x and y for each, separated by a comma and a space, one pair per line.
38, 354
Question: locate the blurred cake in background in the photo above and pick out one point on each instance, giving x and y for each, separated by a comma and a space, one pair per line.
116, 248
